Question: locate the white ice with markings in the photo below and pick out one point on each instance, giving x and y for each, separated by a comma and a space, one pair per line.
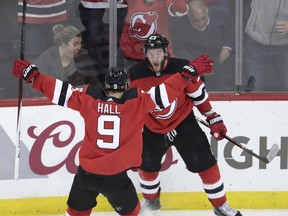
244, 212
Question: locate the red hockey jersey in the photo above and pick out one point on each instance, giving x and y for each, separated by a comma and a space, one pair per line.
44, 11
143, 20
164, 120
113, 127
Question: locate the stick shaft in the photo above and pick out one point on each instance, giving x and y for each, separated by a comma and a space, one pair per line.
20, 93
274, 150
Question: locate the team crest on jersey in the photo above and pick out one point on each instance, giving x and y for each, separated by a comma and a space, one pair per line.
167, 112
143, 24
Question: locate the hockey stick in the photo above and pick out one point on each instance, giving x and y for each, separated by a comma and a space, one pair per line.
20, 93
266, 159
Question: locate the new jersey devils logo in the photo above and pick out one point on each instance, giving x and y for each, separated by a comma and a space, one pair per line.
143, 24
167, 112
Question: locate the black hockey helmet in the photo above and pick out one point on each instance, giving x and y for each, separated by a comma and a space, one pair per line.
117, 78
156, 41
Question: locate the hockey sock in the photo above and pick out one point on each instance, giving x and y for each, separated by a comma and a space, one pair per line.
213, 186
149, 184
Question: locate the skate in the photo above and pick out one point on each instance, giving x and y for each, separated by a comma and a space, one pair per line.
150, 207
226, 210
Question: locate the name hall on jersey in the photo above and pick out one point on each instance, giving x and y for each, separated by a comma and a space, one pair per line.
108, 108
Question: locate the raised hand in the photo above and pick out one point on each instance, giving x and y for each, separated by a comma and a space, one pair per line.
23, 69
198, 67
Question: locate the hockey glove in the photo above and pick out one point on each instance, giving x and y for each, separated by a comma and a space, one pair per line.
217, 127
24, 69
198, 67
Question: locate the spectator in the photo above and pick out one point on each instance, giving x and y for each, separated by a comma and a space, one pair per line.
146, 17
96, 34
9, 39
10, 46
267, 45
206, 30
41, 16
66, 60
224, 4
176, 125
113, 132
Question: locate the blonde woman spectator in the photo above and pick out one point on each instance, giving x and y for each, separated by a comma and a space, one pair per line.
66, 60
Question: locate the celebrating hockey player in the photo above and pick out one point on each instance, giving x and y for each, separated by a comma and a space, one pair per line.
113, 131
176, 125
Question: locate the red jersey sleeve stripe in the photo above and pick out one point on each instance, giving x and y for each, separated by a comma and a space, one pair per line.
62, 93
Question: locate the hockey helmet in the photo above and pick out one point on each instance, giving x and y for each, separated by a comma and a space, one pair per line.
156, 41
117, 79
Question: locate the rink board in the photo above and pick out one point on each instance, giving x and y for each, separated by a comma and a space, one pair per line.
51, 136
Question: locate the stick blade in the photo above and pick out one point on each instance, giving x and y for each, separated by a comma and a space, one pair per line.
272, 153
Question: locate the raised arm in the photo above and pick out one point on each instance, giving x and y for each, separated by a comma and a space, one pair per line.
57, 91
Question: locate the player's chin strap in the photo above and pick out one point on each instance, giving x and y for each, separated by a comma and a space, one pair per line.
266, 159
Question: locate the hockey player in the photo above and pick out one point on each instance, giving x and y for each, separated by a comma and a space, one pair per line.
113, 131
176, 125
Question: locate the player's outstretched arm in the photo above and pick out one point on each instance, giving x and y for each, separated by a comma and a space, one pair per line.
165, 93
57, 91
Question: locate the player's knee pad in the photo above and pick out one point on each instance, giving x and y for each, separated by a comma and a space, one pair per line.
200, 166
